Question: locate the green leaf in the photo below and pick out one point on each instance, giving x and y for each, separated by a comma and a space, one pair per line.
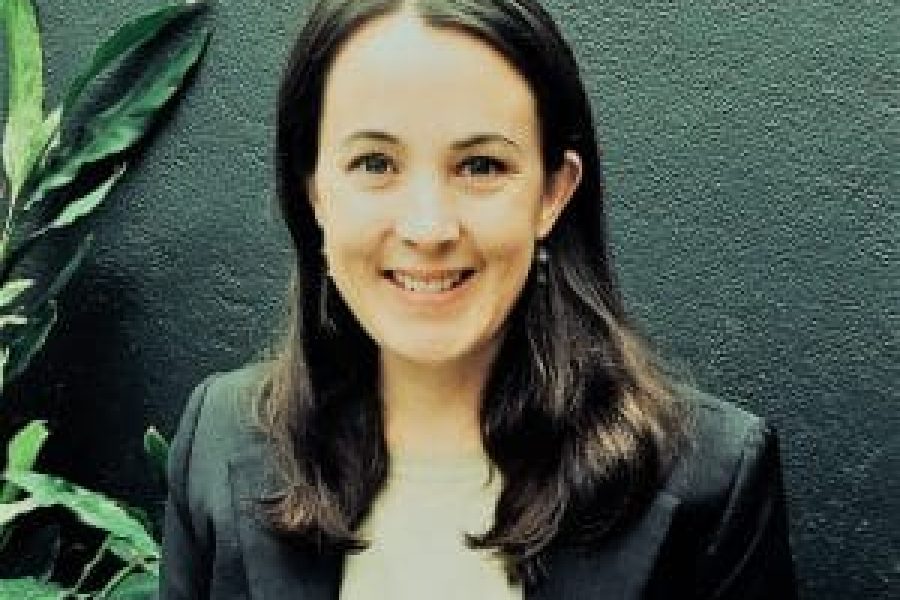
6, 320
136, 586
121, 125
22, 452
65, 275
126, 38
92, 508
10, 510
48, 139
4, 360
31, 339
29, 588
13, 289
140, 515
83, 206
157, 450
23, 449
22, 141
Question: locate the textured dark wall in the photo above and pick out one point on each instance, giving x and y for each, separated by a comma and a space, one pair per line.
751, 159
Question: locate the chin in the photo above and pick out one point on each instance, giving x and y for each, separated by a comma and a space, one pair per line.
432, 350
430, 354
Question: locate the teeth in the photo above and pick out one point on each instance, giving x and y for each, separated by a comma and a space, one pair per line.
441, 284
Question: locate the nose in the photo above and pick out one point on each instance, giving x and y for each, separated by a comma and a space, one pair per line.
428, 219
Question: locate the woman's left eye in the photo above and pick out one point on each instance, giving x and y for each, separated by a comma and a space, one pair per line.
481, 166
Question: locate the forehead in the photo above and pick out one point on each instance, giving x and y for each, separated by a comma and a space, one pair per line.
400, 74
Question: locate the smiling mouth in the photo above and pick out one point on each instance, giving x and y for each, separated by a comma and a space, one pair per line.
432, 282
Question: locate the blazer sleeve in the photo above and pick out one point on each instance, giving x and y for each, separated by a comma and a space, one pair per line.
186, 548
748, 556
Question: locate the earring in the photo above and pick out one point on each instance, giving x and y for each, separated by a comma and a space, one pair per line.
542, 264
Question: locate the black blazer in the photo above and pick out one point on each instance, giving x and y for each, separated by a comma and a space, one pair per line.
718, 528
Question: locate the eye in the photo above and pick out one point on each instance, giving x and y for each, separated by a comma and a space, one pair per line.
480, 166
373, 163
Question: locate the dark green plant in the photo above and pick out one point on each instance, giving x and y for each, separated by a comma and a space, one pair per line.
42, 170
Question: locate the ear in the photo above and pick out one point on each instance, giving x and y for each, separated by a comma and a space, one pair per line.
560, 188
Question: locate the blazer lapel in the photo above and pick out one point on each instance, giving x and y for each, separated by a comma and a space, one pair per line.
620, 569
275, 568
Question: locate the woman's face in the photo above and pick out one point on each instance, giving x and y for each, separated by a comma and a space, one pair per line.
429, 187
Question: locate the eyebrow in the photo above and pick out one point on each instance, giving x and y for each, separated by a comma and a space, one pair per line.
473, 140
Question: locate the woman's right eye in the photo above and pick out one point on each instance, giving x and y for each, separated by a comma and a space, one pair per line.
374, 164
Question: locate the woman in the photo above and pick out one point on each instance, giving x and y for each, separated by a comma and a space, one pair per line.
460, 408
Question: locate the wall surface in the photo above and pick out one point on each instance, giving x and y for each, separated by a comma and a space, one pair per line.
751, 164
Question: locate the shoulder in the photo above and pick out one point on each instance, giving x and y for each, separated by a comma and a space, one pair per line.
222, 402
201, 541
724, 439
217, 421
728, 536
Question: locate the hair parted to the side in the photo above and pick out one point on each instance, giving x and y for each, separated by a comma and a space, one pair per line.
580, 415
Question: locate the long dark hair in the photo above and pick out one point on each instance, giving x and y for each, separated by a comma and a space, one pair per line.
579, 414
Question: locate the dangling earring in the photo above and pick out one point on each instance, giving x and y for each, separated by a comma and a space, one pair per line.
541, 264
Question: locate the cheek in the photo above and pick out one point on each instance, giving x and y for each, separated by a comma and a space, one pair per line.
509, 247
506, 228
352, 229
351, 259
506, 247
514, 266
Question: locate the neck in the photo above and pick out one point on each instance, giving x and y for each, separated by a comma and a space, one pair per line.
433, 410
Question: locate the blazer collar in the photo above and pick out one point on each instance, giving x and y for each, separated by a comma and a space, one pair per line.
277, 569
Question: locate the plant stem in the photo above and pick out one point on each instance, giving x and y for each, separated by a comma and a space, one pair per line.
111, 585
4, 241
90, 566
